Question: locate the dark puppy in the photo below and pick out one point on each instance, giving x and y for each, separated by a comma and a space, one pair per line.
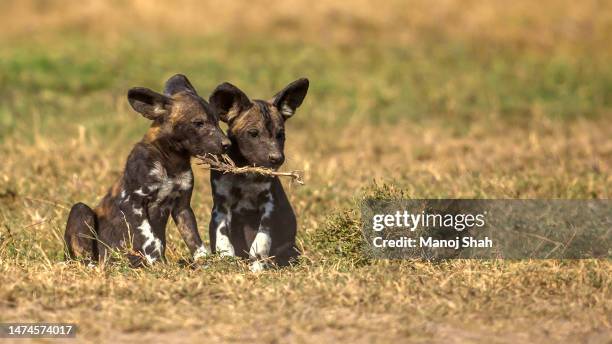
157, 181
252, 217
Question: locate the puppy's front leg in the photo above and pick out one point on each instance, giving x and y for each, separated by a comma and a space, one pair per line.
260, 248
185, 220
222, 224
186, 223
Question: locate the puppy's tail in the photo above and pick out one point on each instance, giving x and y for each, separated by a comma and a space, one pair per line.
81, 233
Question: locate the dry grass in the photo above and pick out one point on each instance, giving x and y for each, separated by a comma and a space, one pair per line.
328, 297
455, 301
546, 24
461, 99
225, 165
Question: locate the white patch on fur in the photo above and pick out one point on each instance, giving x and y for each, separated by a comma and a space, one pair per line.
122, 193
137, 211
286, 110
165, 185
261, 245
260, 248
184, 180
150, 259
160, 111
158, 171
268, 207
150, 239
257, 266
223, 244
165, 189
201, 252
139, 192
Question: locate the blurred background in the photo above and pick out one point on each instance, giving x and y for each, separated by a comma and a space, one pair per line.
378, 61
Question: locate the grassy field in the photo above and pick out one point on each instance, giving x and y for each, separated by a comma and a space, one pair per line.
458, 99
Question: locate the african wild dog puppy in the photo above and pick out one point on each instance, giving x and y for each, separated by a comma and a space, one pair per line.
157, 181
252, 217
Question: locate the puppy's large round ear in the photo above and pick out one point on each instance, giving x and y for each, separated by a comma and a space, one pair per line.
229, 101
150, 104
291, 97
178, 83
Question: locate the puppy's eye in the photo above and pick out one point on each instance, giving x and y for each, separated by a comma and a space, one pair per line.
198, 124
280, 135
253, 132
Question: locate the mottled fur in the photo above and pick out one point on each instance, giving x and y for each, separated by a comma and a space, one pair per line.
157, 181
252, 217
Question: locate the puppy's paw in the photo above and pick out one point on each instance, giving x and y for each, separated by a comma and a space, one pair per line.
227, 253
200, 254
258, 266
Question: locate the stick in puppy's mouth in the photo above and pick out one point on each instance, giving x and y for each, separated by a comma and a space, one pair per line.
226, 165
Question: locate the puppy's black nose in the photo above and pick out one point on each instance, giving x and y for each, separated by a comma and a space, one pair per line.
226, 144
276, 158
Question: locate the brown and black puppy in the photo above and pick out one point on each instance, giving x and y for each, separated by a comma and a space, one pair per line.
252, 217
157, 181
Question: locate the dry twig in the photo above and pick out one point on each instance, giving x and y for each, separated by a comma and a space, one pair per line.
226, 165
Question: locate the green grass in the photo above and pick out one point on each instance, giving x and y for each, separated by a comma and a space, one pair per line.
81, 79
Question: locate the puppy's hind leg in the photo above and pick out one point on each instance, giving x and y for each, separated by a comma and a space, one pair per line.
288, 255
81, 231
